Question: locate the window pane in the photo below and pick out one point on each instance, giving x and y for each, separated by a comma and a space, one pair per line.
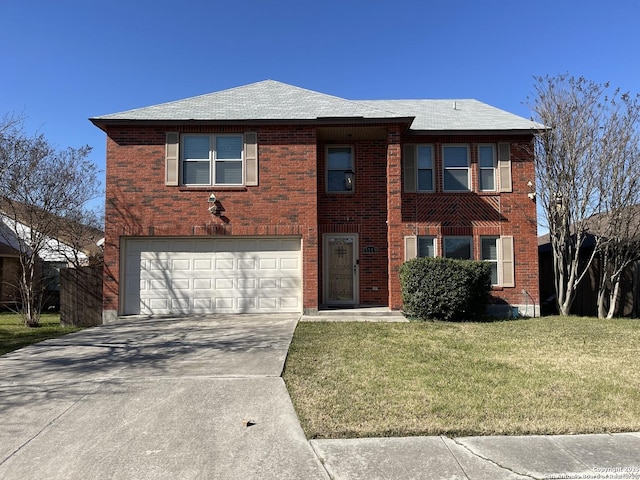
456, 179
425, 179
486, 156
457, 248
494, 273
335, 181
196, 173
456, 157
229, 173
229, 148
426, 247
487, 179
425, 159
489, 249
196, 147
339, 158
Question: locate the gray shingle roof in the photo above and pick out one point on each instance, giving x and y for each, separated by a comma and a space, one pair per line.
270, 100
455, 115
266, 100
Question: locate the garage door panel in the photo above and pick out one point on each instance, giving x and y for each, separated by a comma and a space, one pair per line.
224, 284
289, 264
251, 275
247, 264
224, 264
202, 284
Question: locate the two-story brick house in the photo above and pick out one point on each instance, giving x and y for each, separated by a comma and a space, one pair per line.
273, 198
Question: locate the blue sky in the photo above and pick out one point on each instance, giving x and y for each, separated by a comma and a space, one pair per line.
66, 61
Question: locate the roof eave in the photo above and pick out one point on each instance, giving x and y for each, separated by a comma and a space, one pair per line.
102, 123
513, 131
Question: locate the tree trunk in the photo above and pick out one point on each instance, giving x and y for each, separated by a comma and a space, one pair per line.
614, 297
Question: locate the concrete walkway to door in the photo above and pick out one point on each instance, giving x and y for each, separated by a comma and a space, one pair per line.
180, 398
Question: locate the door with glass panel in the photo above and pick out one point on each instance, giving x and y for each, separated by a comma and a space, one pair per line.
341, 269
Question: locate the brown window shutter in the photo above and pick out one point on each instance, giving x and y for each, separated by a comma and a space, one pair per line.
410, 247
508, 264
504, 167
251, 158
409, 168
172, 159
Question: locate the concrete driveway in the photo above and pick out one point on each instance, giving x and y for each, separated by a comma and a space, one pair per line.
155, 399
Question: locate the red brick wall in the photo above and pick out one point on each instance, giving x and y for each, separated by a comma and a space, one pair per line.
482, 213
291, 200
138, 202
362, 211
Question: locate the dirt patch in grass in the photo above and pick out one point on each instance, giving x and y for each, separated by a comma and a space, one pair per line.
551, 375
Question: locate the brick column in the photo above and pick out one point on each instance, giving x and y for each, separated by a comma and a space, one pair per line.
394, 215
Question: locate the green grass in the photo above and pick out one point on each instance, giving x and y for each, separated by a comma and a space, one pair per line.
551, 375
14, 334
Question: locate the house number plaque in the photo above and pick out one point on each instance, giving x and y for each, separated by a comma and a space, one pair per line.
370, 249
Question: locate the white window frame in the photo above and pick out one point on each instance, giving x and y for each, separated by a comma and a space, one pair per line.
445, 168
431, 169
213, 160
496, 261
434, 244
466, 237
493, 168
327, 169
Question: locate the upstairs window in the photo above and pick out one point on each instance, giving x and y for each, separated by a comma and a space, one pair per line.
212, 159
456, 168
487, 163
425, 168
339, 169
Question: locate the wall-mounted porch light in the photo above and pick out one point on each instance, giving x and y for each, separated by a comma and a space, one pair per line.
214, 206
349, 176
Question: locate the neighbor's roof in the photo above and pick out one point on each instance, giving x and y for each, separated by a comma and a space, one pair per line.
85, 236
270, 100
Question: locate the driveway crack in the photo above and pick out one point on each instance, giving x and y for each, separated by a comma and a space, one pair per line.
493, 462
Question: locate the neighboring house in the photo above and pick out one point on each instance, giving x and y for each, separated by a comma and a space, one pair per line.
274, 198
585, 303
60, 252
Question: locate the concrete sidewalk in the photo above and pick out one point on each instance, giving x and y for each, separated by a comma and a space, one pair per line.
483, 458
202, 398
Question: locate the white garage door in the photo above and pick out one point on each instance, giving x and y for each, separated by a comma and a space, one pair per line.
203, 275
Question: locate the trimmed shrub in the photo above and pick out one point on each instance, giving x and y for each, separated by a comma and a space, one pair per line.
445, 289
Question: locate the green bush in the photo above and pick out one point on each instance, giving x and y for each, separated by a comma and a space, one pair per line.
445, 289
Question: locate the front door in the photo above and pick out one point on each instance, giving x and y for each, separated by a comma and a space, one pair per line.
341, 269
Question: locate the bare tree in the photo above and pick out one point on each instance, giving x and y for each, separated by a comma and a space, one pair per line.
41, 189
582, 162
619, 177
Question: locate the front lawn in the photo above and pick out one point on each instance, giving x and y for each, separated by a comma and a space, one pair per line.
14, 335
551, 375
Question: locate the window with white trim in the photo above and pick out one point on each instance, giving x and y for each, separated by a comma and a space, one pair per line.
487, 162
489, 247
426, 246
455, 159
212, 160
339, 166
425, 168
457, 247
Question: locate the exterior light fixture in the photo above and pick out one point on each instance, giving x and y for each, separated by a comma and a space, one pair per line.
214, 205
348, 179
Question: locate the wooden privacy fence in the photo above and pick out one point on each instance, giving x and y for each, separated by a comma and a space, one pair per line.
81, 296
